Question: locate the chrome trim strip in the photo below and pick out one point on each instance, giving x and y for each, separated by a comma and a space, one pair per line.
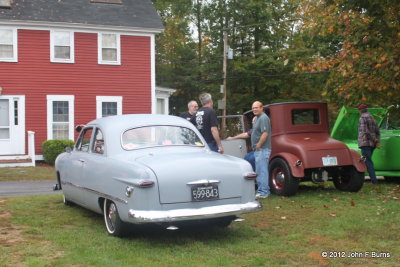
204, 181
96, 192
144, 216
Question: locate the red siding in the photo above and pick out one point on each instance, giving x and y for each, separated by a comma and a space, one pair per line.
36, 77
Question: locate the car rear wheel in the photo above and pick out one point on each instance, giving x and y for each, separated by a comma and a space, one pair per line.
281, 181
348, 179
114, 225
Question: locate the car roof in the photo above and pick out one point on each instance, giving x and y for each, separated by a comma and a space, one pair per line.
112, 127
139, 120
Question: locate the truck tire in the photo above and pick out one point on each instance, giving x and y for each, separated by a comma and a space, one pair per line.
348, 179
281, 181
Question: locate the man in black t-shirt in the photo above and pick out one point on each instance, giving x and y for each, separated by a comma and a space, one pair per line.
192, 109
206, 122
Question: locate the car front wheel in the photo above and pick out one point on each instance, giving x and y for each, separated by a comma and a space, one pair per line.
114, 225
348, 179
66, 201
281, 181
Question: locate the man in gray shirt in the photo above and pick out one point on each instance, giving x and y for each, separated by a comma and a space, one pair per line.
261, 144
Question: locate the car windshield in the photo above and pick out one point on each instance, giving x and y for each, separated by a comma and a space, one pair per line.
151, 136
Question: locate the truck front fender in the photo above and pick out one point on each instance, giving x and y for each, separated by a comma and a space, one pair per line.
295, 164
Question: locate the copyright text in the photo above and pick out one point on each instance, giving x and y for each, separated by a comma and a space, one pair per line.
365, 254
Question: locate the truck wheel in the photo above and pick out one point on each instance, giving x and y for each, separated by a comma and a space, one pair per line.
348, 179
281, 181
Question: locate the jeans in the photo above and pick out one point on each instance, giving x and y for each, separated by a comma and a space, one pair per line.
213, 146
250, 158
262, 158
367, 151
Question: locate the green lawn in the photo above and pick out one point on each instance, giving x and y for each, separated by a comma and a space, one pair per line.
295, 231
40, 172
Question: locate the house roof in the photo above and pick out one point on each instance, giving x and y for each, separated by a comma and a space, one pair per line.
112, 13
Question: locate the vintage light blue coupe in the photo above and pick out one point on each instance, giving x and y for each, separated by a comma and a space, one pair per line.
138, 169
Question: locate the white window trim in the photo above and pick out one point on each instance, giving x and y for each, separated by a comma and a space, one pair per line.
166, 105
15, 46
70, 99
100, 49
71, 44
101, 99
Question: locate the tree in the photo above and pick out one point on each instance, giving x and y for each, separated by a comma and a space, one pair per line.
358, 42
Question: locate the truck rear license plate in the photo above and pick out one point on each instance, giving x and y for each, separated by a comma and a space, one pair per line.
205, 192
329, 161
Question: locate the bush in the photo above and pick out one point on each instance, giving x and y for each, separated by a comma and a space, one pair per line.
52, 148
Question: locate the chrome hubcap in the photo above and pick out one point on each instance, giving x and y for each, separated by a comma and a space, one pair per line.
112, 215
278, 178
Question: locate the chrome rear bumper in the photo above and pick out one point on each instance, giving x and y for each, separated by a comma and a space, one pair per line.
156, 216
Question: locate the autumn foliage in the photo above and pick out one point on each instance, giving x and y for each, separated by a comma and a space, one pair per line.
358, 42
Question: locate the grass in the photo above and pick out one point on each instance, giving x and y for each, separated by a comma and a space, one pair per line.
41, 231
40, 172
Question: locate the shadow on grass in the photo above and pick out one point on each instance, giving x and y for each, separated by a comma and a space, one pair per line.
187, 231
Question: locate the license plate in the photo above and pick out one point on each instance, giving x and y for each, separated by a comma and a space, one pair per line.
205, 192
329, 161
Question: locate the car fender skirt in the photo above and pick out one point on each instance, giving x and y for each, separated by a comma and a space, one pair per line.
154, 216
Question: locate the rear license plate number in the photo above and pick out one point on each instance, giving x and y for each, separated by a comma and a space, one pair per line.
329, 161
205, 192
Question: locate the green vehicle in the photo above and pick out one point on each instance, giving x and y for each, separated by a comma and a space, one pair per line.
387, 158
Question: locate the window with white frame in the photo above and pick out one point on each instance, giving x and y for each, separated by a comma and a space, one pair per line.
62, 46
60, 117
8, 45
108, 106
109, 48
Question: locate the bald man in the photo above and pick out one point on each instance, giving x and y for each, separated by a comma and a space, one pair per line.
261, 144
192, 109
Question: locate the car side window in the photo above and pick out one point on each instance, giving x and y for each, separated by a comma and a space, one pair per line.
98, 144
84, 140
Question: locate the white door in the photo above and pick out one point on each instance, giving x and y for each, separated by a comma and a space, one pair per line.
12, 125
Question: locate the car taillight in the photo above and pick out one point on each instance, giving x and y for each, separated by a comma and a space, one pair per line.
250, 175
145, 183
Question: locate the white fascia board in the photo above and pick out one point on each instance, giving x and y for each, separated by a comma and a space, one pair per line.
78, 27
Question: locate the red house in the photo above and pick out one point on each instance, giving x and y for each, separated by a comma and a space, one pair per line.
66, 62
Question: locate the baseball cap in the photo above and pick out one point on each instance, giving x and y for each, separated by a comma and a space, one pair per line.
362, 106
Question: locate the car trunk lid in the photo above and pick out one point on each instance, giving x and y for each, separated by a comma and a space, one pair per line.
177, 173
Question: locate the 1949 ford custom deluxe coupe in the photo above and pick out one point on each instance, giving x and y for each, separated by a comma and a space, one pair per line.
142, 168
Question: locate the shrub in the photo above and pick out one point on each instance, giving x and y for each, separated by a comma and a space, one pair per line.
52, 148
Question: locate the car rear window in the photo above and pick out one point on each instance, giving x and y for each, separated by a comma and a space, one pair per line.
151, 136
305, 116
